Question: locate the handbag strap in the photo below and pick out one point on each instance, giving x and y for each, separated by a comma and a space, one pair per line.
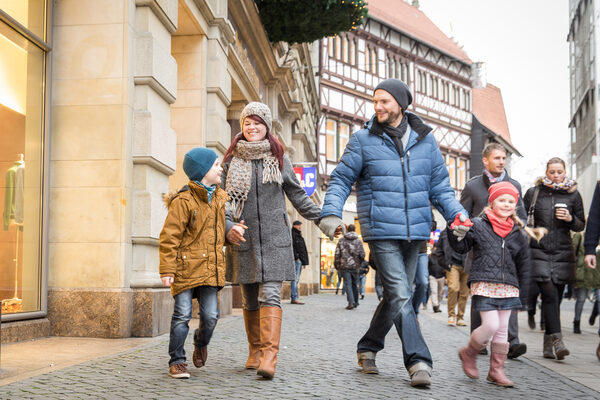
530, 221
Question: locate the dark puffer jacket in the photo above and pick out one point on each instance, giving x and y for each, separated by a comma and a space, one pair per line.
496, 259
349, 253
300, 252
553, 257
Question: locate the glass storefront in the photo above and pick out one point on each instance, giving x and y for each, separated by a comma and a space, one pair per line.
22, 121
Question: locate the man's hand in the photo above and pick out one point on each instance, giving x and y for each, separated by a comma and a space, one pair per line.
331, 226
590, 261
167, 281
235, 235
460, 226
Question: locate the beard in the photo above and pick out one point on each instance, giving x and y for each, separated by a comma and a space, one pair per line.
390, 118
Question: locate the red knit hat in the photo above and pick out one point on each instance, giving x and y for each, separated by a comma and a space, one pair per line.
501, 188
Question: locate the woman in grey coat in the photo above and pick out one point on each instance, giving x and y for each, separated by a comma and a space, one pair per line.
258, 176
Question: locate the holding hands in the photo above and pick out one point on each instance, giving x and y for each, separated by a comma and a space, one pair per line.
460, 226
235, 235
332, 226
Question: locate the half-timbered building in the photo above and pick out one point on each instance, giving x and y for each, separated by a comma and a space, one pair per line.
399, 41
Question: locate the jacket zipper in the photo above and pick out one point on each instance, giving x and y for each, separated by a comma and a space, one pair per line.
502, 260
405, 198
408, 160
216, 235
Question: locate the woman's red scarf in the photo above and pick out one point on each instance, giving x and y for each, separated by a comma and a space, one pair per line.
500, 226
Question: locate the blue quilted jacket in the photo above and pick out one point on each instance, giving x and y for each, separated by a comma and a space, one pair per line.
393, 192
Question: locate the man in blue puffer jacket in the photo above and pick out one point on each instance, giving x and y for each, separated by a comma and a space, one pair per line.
399, 171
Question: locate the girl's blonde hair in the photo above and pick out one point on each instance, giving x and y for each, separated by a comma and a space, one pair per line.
534, 233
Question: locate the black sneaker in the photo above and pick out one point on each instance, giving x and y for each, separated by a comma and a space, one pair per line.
350, 306
516, 350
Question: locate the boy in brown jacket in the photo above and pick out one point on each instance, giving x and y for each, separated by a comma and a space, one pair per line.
192, 262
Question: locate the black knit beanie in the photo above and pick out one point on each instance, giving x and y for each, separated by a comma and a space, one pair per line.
398, 89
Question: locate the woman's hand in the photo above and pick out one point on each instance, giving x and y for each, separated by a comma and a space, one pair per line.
235, 235
590, 261
563, 214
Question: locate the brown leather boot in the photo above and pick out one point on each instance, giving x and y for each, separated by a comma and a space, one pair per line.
467, 355
497, 358
252, 323
270, 332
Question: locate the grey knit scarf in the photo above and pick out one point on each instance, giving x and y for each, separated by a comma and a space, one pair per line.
239, 176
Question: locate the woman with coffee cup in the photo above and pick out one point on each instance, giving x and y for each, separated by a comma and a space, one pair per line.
555, 204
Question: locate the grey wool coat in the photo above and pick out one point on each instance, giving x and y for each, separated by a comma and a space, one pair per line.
267, 254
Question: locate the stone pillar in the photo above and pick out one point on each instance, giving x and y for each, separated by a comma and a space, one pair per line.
90, 190
153, 156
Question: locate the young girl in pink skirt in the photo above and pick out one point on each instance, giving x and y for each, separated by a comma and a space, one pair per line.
499, 278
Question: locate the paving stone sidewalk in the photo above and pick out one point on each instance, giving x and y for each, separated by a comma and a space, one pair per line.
317, 360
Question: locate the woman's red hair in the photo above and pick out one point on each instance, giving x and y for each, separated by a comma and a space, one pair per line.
276, 147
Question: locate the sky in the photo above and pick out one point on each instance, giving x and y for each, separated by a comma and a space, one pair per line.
524, 45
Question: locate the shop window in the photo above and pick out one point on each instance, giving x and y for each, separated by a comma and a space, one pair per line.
22, 72
331, 133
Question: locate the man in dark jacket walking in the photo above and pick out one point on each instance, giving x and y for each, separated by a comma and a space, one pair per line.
349, 255
398, 170
474, 198
300, 259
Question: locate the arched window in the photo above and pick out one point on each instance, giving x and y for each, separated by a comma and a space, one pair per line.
374, 60
367, 59
338, 48
390, 62
352, 52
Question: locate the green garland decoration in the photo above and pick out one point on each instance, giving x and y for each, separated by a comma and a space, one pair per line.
296, 21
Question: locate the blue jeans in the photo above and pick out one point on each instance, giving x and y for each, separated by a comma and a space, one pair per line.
351, 285
421, 281
396, 264
294, 284
361, 284
182, 313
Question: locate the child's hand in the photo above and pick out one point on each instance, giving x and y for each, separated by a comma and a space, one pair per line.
236, 234
460, 226
167, 281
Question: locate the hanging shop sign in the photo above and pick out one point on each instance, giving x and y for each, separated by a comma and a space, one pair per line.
308, 178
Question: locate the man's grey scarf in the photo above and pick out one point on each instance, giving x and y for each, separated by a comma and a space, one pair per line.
396, 133
239, 176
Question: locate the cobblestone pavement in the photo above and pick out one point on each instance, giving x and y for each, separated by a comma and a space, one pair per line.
317, 360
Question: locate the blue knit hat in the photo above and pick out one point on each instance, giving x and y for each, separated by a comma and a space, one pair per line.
197, 162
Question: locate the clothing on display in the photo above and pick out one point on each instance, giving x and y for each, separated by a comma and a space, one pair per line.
13, 214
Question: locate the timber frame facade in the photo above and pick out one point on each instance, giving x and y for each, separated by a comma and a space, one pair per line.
353, 63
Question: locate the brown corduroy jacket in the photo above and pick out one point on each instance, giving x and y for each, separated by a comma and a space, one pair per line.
192, 240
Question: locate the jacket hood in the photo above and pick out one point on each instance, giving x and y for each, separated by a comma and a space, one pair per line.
169, 197
415, 122
351, 236
540, 182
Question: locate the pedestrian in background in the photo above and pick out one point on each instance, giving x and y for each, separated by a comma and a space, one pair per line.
437, 275
499, 277
349, 255
300, 259
587, 280
192, 262
364, 270
592, 236
474, 199
258, 177
555, 204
